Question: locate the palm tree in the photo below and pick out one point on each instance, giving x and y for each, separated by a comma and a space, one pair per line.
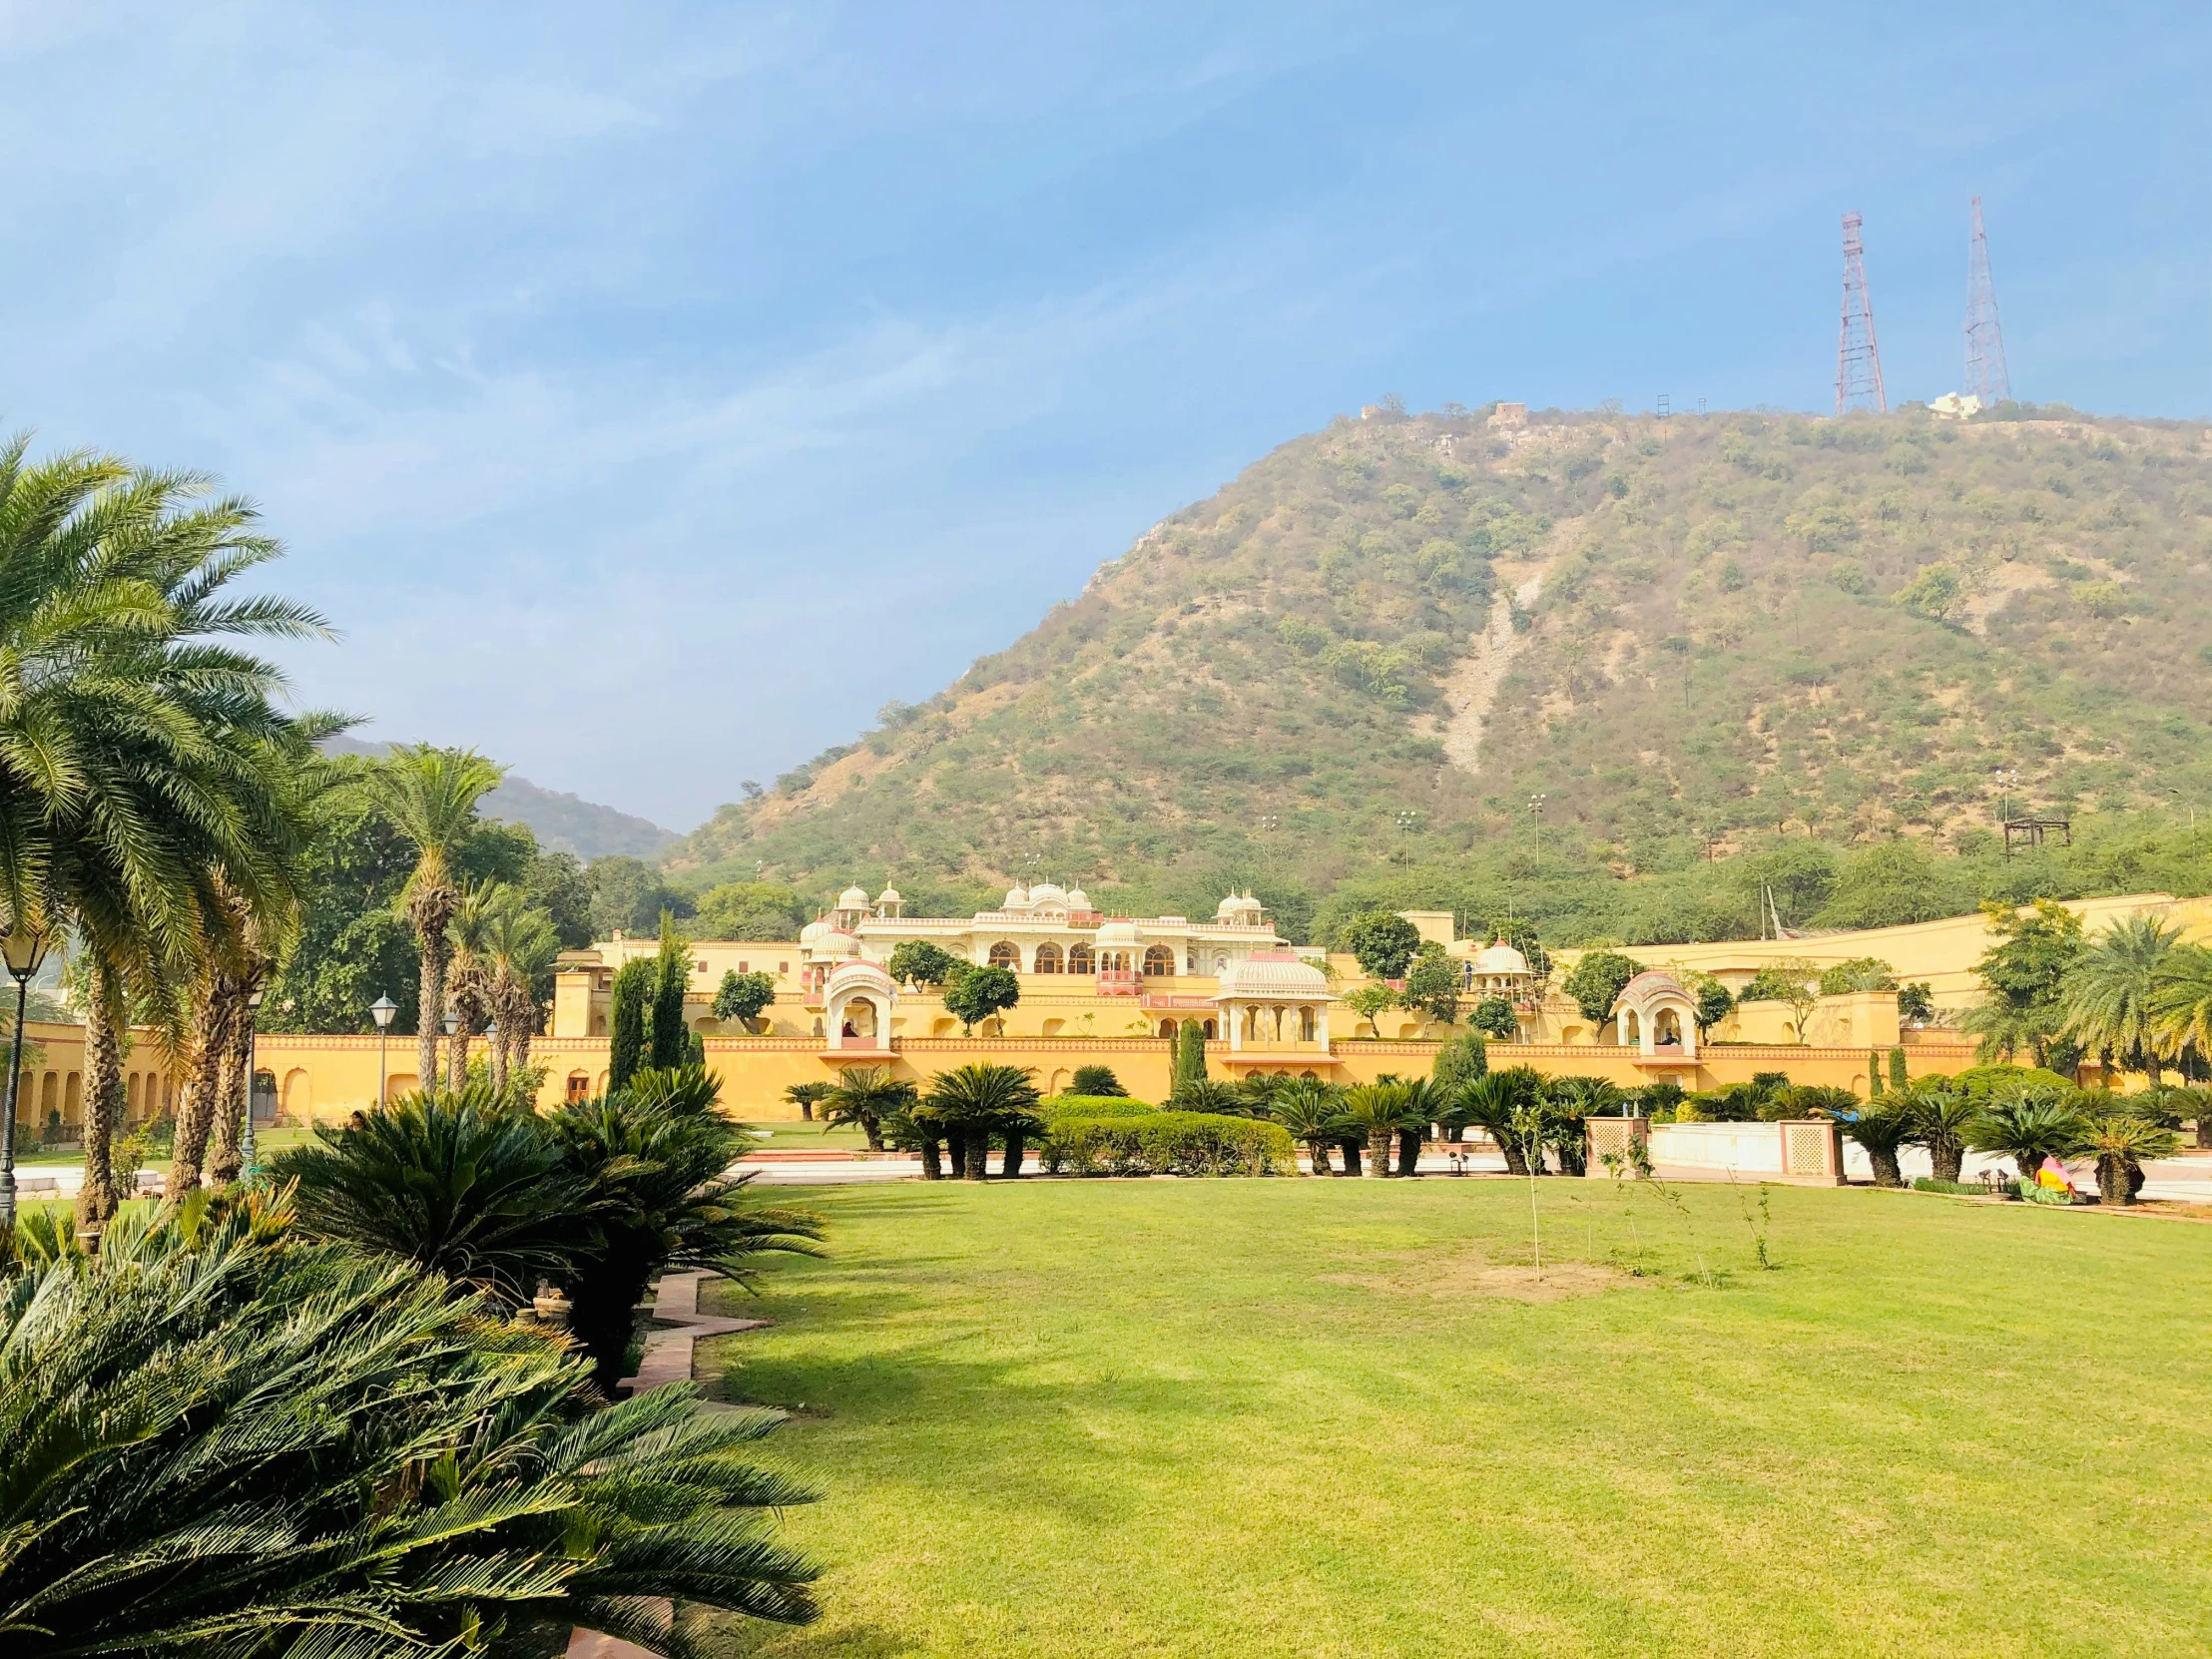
454, 1183
2121, 1144
145, 762
2182, 1013
971, 1101
519, 945
430, 796
1427, 1100
252, 1443
865, 1095
2037, 1123
1942, 1117
1313, 1112
2110, 992
468, 972
807, 1096
1375, 1112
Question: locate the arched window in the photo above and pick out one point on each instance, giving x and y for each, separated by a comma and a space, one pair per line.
1306, 1026
1080, 959
1159, 962
1006, 955
1167, 1028
1048, 959
1209, 1030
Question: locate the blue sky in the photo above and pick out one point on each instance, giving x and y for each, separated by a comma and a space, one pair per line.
649, 391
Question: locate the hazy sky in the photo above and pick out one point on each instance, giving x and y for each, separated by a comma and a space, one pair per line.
649, 391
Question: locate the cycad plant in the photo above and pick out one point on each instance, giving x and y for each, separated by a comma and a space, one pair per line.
455, 1182
657, 1159
1313, 1112
1209, 1094
1883, 1126
233, 1443
970, 1103
864, 1095
1943, 1116
1489, 1104
2121, 1144
2037, 1123
1571, 1102
1375, 1112
430, 796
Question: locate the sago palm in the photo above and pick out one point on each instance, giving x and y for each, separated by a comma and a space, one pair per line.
235, 1445
455, 1182
430, 797
1488, 1102
1942, 1117
1312, 1111
972, 1102
657, 1157
1375, 1112
2121, 1144
2034, 1124
1881, 1127
864, 1096
2110, 993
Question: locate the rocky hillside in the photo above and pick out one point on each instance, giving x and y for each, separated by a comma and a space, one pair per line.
1687, 636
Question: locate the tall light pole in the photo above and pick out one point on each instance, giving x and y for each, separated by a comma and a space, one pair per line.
247, 1162
2006, 777
26, 952
1536, 824
381, 1012
452, 1023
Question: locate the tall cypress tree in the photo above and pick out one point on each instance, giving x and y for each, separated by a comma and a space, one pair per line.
1874, 1074
1190, 1056
1898, 1078
671, 979
632, 989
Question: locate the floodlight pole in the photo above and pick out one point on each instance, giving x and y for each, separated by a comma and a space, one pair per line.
26, 951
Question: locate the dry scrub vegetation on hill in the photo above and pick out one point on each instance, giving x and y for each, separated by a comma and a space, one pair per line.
1691, 636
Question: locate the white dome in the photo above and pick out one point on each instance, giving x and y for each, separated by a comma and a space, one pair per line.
1272, 973
853, 898
1078, 899
833, 945
858, 977
1047, 892
812, 931
1118, 933
1018, 898
1239, 908
1500, 960
889, 895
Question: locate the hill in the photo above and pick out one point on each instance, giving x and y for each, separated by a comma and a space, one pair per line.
1721, 638
561, 822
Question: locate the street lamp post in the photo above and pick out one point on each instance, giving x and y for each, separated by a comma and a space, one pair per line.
26, 951
249, 1164
381, 1012
1536, 824
452, 1023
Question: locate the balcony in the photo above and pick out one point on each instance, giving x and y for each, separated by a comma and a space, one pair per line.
1119, 982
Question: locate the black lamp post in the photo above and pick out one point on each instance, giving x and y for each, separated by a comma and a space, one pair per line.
452, 1024
26, 952
249, 1167
381, 1012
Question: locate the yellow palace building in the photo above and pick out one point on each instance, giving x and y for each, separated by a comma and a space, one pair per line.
1118, 991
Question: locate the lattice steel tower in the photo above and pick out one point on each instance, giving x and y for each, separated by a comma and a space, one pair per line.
1858, 357
1986, 376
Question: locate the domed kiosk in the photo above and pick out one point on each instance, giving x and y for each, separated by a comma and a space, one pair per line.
1275, 1005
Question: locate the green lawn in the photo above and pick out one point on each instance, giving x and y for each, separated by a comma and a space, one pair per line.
1337, 1418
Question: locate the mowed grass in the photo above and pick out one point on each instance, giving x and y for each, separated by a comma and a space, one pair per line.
1339, 1417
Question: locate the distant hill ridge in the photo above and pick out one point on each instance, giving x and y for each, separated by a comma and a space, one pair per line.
561, 822
1379, 642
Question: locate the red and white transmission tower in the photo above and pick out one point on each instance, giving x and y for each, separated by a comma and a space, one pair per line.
1986, 376
1858, 357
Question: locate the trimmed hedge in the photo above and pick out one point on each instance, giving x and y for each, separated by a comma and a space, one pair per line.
1970, 1189
1095, 1106
1167, 1143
